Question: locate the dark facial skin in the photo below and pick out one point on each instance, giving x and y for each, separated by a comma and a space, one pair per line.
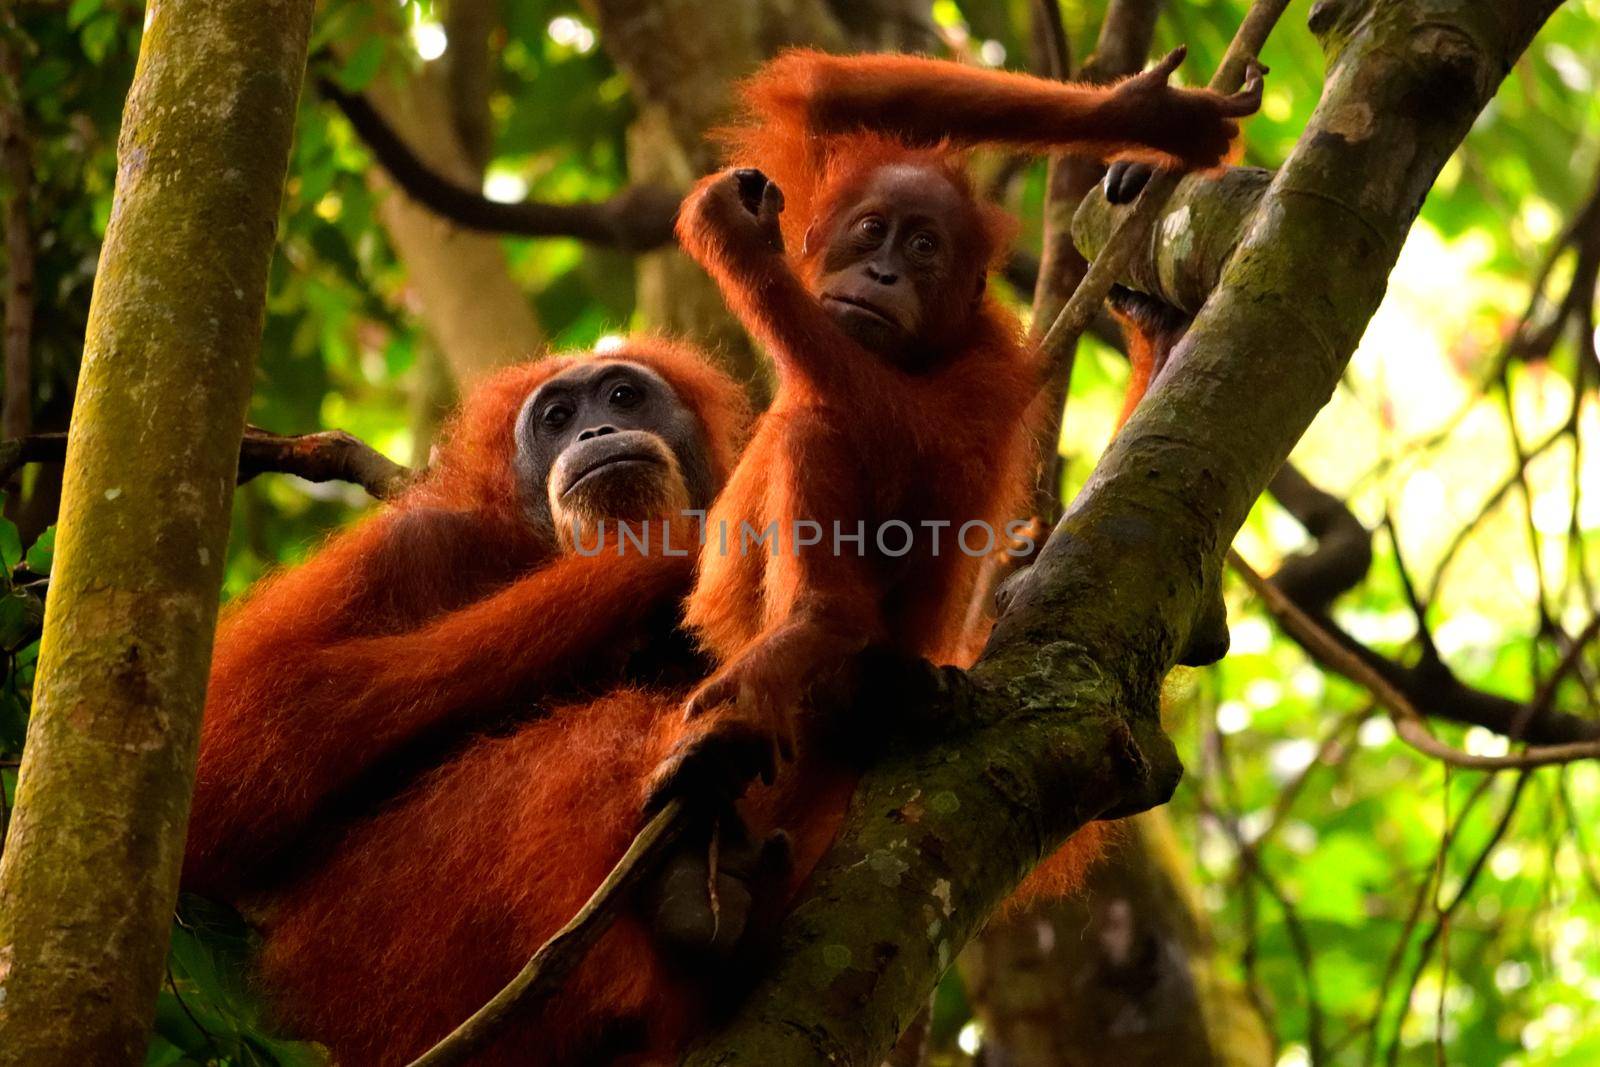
609, 438
897, 266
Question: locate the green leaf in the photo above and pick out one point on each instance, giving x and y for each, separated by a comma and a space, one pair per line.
43, 551
98, 36
80, 12
13, 723
10, 544
362, 66
13, 620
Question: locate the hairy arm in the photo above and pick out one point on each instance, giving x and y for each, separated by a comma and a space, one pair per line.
729, 225
931, 100
291, 721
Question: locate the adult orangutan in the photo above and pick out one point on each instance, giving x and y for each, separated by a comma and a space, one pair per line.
403, 763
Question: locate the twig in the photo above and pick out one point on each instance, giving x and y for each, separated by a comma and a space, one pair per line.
326, 456
556, 958
1123, 44
1131, 234
1419, 900
1252, 868
1409, 723
1340, 560
1444, 913
636, 220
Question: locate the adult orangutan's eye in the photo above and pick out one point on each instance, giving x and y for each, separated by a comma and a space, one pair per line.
624, 395
555, 416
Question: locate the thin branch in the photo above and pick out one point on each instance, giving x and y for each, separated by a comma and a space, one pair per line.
1339, 562
1343, 552
1426, 890
1492, 501
1237, 64
1441, 924
326, 456
635, 220
555, 959
1251, 868
1409, 723
1121, 49
1050, 39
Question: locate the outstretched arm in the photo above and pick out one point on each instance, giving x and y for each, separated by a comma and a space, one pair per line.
729, 225
931, 100
291, 722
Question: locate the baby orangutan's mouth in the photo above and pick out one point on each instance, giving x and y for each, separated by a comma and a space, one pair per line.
853, 304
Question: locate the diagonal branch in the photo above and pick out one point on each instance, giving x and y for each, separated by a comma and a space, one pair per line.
1408, 721
1212, 215
635, 220
326, 456
1059, 721
1121, 49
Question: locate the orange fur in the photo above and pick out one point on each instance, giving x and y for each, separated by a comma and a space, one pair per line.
444, 613
849, 436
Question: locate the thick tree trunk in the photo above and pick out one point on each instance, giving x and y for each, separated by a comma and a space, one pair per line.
1058, 723
472, 308
90, 870
16, 167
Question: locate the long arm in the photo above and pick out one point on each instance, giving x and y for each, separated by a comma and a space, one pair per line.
291, 722
824, 599
729, 225
929, 101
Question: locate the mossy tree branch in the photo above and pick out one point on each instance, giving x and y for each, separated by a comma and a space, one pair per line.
89, 875
1058, 721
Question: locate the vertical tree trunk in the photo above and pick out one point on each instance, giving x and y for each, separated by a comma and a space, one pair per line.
90, 870
16, 167
471, 306
1124, 973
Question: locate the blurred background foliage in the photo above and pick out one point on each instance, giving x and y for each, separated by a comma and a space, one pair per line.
1328, 855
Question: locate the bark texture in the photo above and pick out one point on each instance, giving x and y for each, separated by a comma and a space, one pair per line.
1192, 240
90, 871
1058, 721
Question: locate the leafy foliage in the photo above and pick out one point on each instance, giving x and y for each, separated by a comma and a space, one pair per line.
1324, 847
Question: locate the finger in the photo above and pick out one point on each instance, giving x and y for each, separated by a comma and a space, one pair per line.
1169, 63
1247, 101
772, 199
1127, 181
752, 183
1113, 176
769, 761
713, 694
